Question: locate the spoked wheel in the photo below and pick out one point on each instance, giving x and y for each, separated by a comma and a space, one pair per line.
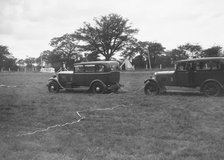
98, 88
211, 89
151, 88
53, 87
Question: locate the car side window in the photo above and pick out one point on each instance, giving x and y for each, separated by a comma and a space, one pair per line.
79, 69
209, 65
182, 66
100, 68
212, 65
200, 65
90, 68
190, 66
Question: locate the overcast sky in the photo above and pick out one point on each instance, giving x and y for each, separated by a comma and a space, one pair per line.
27, 26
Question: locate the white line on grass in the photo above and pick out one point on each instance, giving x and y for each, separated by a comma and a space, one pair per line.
69, 123
2, 85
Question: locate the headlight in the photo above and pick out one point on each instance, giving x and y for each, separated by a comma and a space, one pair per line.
152, 77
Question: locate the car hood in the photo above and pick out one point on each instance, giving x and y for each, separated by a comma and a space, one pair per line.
65, 72
164, 72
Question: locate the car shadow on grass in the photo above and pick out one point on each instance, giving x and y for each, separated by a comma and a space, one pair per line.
87, 91
183, 93
73, 91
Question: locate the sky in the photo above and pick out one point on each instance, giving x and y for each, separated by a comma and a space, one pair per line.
27, 26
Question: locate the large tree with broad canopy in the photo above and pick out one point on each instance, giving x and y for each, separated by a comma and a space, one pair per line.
109, 35
66, 47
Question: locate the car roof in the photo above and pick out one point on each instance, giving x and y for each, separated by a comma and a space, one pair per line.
96, 62
201, 59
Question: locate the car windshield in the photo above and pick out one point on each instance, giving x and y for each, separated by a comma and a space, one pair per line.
181, 66
79, 68
114, 67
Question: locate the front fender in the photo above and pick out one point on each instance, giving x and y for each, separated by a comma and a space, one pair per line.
55, 80
151, 80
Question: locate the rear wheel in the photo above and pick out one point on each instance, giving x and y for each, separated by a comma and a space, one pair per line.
53, 87
151, 88
98, 88
211, 89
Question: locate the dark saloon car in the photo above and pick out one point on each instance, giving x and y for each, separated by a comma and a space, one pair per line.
205, 73
98, 76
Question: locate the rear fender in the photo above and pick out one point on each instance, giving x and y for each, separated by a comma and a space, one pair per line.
96, 80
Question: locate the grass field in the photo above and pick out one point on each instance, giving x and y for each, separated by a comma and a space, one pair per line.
38, 125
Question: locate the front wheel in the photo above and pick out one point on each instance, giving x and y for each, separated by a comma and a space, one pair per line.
53, 87
98, 88
151, 88
211, 89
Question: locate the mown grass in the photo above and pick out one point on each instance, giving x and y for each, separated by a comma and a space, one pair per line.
165, 127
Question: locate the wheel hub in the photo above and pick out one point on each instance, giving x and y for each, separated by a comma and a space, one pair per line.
97, 89
52, 87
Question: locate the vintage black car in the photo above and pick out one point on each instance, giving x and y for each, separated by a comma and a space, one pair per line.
207, 74
97, 76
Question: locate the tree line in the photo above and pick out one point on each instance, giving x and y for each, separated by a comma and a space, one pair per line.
106, 37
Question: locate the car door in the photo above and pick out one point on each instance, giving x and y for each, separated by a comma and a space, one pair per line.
182, 74
79, 75
90, 74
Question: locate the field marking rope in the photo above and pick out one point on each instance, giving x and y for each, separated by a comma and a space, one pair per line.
134, 91
73, 122
138, 89
2, 85
54, 126
125, 87
69, 123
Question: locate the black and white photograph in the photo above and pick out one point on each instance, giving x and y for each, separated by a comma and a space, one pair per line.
111, 80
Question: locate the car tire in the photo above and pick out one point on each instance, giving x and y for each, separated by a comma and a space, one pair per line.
151, 88
98, 88
211, 89
53, 87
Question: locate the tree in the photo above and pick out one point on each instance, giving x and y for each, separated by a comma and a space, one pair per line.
151, 51
139, 61
29, 61
54, 58
184, 52
67, 47
91, 57
44, 57
215, 51
165, 61
21, 64
4, 52
193, 51
154, 51
176, 54
133, 48
110, 34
